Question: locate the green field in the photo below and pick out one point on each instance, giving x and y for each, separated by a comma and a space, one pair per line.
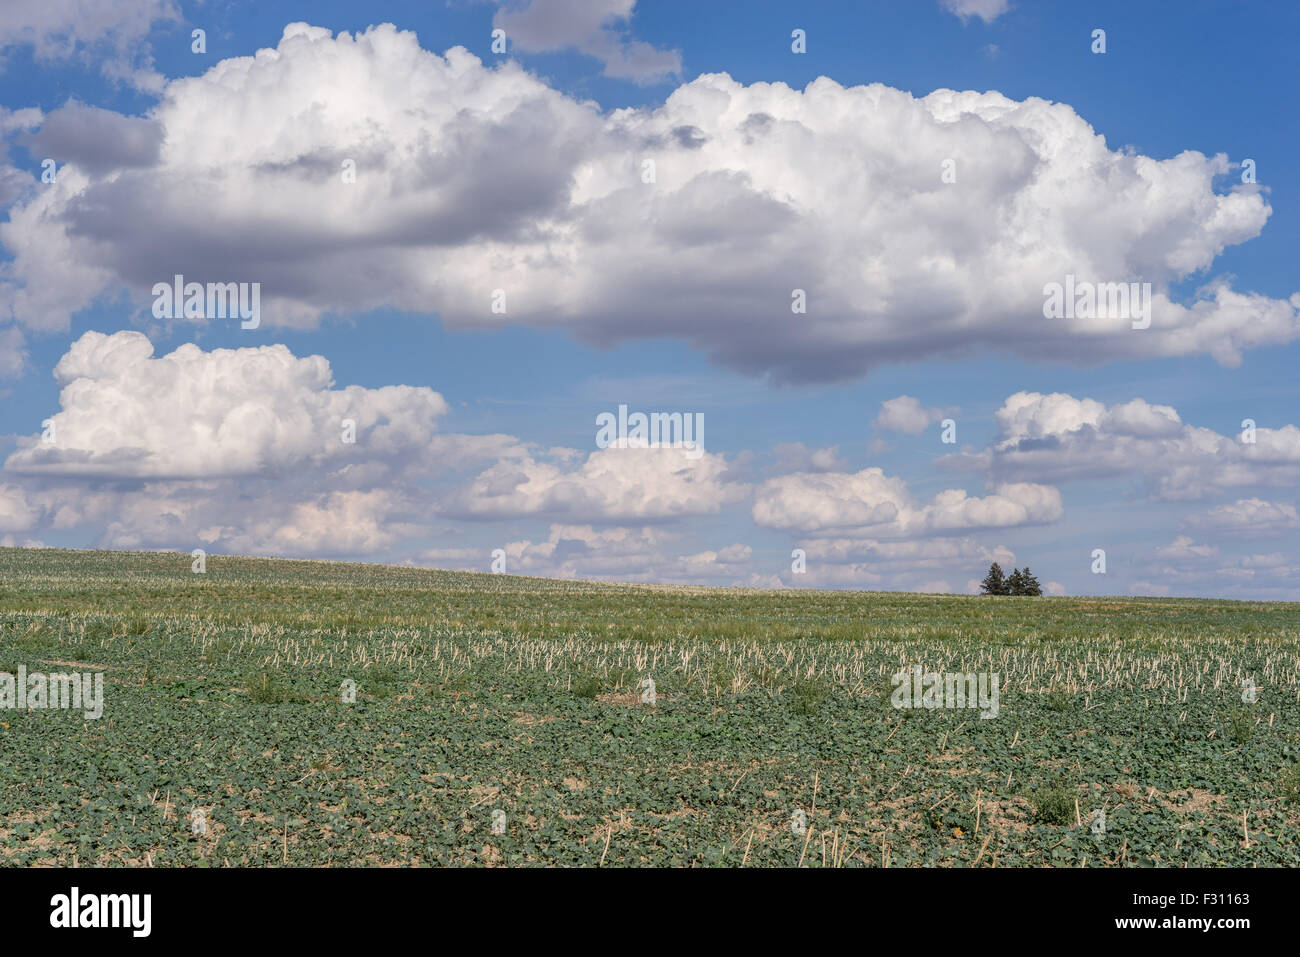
481, 693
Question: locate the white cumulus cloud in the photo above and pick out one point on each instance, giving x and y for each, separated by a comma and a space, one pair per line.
1057, 438
870, 503
472, 179
202, 415
906, 414
616, 483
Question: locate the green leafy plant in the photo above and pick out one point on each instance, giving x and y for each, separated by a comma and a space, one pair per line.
273, 691
1053, 803
455, 684
1290, 784
1241, 725
1058, 700
806, 696
586, 686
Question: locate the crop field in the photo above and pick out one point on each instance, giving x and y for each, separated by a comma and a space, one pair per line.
501, 720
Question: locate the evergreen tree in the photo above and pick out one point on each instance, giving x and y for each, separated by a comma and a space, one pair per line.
995, 583
1029, 584
1016, 583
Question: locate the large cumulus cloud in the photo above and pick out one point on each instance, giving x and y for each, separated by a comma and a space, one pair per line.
472, 179
192, 414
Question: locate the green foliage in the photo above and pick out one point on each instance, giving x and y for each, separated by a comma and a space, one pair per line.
382, 681
228, 699
1241, 725
267, 690
448, 685
1028, 585
719, 676
1018, 583
995, 582
1059, 700
218, 650
806, 696
586, 686
1021, 583
1290, 784
1053, 804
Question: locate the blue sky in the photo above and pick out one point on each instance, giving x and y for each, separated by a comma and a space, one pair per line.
1128, 442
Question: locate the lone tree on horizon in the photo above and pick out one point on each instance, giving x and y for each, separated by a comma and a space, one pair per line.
995, 583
